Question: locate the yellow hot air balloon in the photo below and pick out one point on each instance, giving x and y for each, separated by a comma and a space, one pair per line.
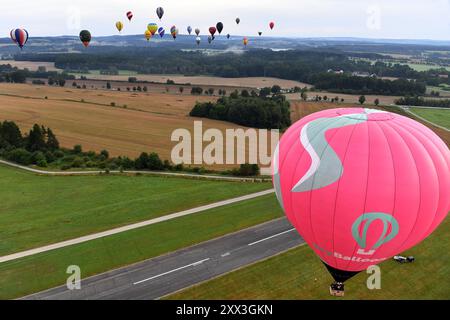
152, 27
148, 35
119, 26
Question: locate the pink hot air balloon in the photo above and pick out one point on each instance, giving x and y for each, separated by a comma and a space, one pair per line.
361, 185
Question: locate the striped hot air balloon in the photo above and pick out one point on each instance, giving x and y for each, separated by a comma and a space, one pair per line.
19, 36
129, 15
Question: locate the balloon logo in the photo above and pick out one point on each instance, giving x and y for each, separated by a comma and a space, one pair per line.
129, 15
361, 186
19, 36
367, 219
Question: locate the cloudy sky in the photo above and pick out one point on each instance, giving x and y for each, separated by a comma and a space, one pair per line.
405, 19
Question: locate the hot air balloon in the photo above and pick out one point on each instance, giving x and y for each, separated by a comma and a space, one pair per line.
174, 32
129, 15
119, 26
161, 32
85, 37
198, 40
197, 31
272, 25
260, 33
189, 30
160, 12
238, 20
212, 31
148, 35
361, 185
228, 36
152, 27
210, 39
245, 41
19, 36
219, 27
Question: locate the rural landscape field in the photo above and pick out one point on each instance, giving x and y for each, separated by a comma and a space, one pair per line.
147, 155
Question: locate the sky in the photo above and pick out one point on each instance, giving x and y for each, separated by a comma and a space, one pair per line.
388, 19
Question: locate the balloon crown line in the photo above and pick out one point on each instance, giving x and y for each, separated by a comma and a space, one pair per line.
20, 36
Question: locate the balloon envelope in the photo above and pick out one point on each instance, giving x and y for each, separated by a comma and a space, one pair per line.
119, 26
160, 12
219, 27
85, 37
245, 41
212, 31
19, 36
129, 15
161, 32
148, 35
361, 185
272, 25
197, 31
238, 20
189, 29
152, 27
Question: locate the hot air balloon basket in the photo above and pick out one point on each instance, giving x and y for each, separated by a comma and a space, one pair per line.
337, 289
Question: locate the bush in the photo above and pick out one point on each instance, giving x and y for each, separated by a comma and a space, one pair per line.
78, 162
20, 156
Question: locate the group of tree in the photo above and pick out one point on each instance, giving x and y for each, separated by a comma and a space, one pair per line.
41, 147
422, 102
12, 74
248, 110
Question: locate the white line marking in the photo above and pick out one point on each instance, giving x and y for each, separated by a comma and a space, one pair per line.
142, 224
172, 271
271, 237
225, 255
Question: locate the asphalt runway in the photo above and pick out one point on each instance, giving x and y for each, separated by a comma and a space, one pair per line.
158, 277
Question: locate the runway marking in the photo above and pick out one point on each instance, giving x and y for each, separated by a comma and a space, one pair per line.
172, 271
271, 237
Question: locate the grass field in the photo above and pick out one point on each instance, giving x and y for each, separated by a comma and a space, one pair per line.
437, 116
46, 270
38, 210
299, 274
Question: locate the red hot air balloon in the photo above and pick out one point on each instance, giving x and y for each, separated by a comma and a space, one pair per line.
272, 25
361, 185
129, 15
213, 31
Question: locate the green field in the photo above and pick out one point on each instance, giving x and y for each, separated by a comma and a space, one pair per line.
97, 73
438, 116
46, 270
38, 210
425, 67
299, 274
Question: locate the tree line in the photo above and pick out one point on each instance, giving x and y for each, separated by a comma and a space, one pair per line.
421, 102
247, 109
301, 65
41, 147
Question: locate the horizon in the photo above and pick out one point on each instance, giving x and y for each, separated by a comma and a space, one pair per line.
404, 20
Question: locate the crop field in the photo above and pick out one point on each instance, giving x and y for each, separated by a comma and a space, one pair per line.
31, 65
136, 123
38, 210
299, 274
348, 98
